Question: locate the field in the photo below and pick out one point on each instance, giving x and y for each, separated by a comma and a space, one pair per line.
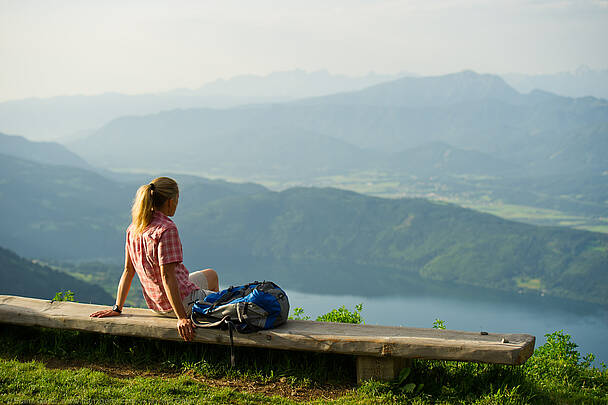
481, 199
466, 191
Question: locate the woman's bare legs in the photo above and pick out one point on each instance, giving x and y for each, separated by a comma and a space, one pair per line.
206, 279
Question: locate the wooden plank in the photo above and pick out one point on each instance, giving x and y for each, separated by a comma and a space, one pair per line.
358, 340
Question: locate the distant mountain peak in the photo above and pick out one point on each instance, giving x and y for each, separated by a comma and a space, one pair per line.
454, 88
583, 70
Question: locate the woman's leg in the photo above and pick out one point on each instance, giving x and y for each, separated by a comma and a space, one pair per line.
206, 279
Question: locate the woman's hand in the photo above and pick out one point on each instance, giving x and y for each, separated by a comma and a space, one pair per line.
104, 313
185, 327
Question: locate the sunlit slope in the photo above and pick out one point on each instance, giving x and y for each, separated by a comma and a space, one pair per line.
68, 213
22, 277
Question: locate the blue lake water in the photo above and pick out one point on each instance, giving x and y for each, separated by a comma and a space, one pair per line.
472, 309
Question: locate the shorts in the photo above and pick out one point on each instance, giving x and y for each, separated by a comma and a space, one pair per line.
199, 279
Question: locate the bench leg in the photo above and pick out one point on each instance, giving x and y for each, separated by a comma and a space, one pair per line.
379, 368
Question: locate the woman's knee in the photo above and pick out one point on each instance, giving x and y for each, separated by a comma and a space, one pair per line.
212, 279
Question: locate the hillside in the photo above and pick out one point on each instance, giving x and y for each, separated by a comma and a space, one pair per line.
60, 212
42, 152
25, 278
437, 158
303, 235
347, 239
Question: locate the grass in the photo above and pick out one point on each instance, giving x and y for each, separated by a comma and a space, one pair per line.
595, 228
303, 369
26, 382
539, 216
531, 283
44, 365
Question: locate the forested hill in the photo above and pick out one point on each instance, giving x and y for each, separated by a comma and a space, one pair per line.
302, 235
338, 236
42, 152
25, 278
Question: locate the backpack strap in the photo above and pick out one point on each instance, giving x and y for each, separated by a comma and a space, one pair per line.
225, 321
209, 323
230, 328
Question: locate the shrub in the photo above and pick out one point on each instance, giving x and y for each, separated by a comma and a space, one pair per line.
298, 314
64, 296
343, 315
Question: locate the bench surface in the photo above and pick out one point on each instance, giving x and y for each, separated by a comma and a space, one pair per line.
358, 340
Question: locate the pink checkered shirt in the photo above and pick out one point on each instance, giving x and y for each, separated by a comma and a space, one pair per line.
159, 244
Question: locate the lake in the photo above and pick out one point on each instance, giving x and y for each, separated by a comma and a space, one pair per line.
474, 309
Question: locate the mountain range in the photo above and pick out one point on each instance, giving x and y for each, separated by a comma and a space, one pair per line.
465, 110
462, 124
69, 117
580, 82
301, 235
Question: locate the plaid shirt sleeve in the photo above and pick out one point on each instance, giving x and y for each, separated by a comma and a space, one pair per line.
170, 247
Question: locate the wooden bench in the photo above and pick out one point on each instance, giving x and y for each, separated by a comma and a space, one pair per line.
381, 351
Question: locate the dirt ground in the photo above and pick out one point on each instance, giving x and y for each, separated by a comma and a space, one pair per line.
280, 387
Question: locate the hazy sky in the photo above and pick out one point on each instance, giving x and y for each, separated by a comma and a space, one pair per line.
57, 47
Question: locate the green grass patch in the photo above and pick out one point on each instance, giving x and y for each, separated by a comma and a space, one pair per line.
33, 382
530, 283
556, 373
594, 228
263, 365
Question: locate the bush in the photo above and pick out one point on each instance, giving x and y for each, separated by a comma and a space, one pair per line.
298, 314
64, 296
559, 365
343, 315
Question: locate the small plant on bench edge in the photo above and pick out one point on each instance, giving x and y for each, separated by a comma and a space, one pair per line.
341, 315
438, 324
298, 314
64, 296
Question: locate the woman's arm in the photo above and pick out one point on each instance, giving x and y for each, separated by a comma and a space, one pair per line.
185, 327
123, 290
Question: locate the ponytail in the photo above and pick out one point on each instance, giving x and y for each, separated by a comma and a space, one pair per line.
150, 197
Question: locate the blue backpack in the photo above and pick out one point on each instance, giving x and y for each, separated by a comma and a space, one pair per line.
250, 307
247, 308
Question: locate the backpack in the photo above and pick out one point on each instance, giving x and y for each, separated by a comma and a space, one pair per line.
247, 308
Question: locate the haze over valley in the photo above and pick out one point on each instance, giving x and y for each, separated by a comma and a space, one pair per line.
463, 137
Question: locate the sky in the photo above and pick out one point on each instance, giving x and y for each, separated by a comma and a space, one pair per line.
50, 48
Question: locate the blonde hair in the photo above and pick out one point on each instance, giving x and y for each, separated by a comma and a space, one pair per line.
150, 197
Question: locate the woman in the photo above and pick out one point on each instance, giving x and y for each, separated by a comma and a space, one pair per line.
154, 251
